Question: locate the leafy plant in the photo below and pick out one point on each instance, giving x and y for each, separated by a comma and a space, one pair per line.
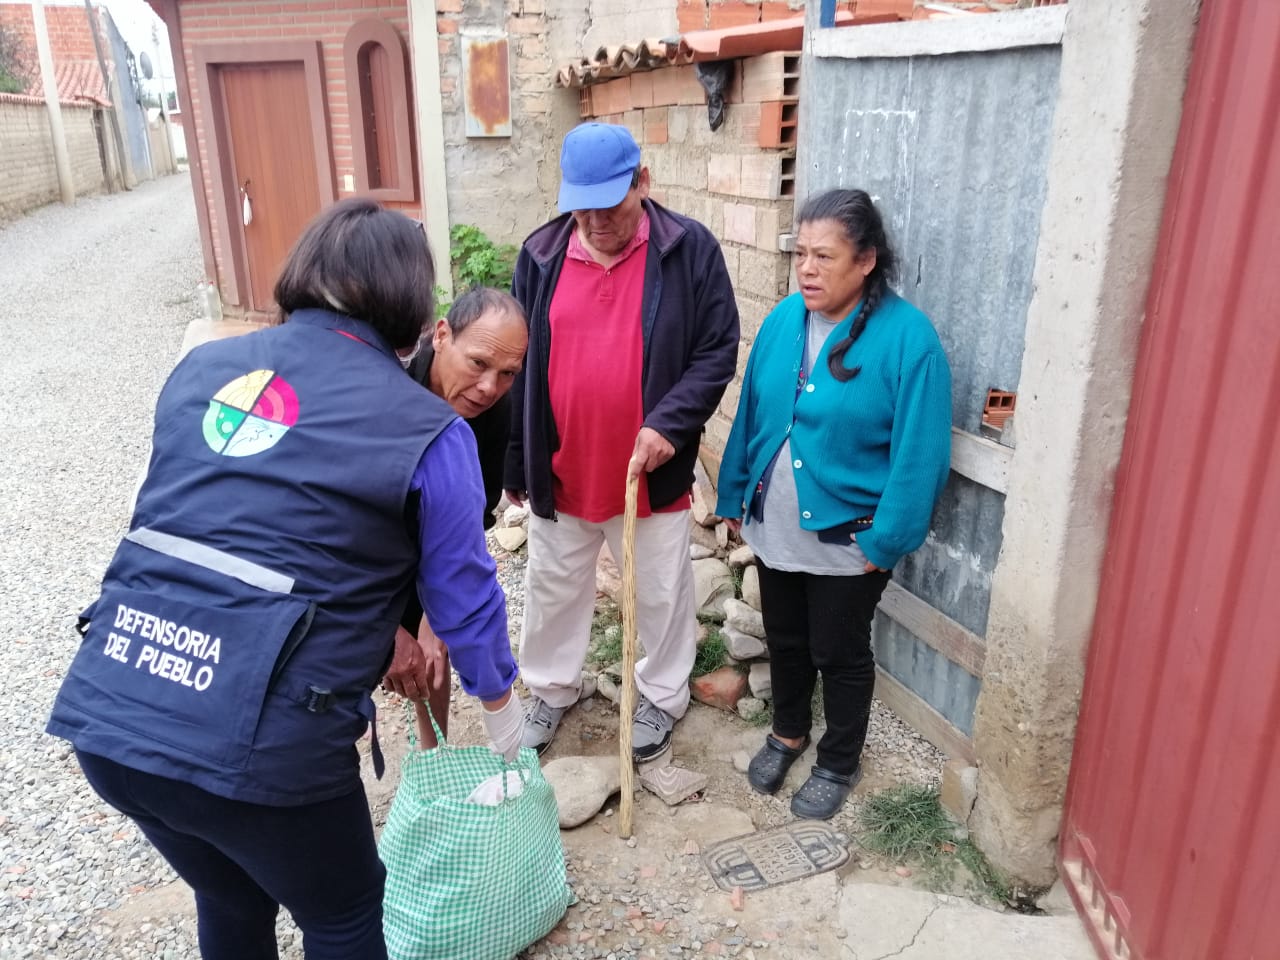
606, 636
475, 261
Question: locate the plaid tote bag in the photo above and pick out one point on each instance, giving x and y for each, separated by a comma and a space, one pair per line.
466, 881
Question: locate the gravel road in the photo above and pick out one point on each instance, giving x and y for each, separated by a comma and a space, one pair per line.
96, 297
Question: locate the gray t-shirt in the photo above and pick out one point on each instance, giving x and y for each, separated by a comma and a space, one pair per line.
778, 539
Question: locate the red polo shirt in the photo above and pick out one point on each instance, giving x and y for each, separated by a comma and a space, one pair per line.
594, 372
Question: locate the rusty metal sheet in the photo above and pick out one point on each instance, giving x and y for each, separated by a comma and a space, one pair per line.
1173, 809
486, 82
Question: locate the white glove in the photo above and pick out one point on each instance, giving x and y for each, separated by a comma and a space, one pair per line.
504, 726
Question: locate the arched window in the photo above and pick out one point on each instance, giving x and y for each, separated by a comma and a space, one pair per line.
378, 106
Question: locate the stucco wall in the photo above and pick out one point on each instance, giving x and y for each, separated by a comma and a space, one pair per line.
28, 175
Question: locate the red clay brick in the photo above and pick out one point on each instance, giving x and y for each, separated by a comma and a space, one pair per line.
655, 125
642, 91
691, 16
732, 14
445, 25
903, 9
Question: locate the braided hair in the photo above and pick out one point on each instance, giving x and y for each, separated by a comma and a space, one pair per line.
858, 216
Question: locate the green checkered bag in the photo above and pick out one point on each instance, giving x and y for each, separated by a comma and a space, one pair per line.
467, 881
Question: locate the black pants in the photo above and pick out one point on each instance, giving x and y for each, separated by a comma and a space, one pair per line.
820, 624
244, 860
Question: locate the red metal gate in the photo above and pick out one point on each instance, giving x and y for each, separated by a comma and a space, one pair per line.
1172, 830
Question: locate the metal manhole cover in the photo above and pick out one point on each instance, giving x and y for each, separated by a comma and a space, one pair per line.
761, 860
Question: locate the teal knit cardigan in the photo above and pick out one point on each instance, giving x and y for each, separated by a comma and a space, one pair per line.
877, 444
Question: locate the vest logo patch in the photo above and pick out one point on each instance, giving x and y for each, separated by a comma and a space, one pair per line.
250, 414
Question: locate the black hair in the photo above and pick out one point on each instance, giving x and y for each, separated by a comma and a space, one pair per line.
476, 302
367, 262
862, 225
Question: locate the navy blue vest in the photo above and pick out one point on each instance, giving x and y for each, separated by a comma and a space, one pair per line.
252, 606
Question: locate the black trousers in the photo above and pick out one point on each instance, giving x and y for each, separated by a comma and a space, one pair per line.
822, 625
243, 861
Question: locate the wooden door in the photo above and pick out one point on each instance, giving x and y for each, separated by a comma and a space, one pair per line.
268, 118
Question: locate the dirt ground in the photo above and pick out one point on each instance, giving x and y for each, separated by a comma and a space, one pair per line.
653, 896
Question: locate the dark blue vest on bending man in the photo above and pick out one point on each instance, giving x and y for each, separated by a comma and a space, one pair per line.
252, 606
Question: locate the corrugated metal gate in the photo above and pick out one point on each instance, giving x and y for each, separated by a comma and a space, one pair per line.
1173, 813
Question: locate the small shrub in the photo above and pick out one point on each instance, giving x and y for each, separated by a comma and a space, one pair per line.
477, 261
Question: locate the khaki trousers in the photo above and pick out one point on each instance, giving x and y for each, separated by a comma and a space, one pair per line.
559, 602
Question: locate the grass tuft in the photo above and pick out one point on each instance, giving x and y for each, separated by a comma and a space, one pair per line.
711, 654
907, 824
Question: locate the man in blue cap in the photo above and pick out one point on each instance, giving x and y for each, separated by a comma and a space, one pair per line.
633, 336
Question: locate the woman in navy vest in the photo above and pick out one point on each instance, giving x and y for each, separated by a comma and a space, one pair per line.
300, 489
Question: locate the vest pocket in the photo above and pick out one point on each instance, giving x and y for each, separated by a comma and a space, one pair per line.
187, 676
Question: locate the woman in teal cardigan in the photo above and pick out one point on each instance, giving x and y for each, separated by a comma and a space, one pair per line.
840, 447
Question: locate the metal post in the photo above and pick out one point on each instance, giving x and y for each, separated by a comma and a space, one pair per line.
61, 159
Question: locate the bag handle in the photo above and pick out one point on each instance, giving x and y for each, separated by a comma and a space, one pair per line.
413, 728
521, 770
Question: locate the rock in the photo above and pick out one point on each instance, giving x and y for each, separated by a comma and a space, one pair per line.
671, 783
750, 708
741, 761
760, 681
722, 535
959, 790
703, 514
721, 688
742, 646
515, 516
737, 899
582, 785
607, 688
588, 686
751, 587
511, 539
744, 617
702, 535
699, 552
704, 490
712, 584
741, 557
608, 576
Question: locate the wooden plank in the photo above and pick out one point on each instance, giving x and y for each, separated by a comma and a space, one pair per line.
922, 718
981, 460
954, 641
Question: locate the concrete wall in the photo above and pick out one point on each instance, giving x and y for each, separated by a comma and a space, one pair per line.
28, 176
506, 186
1112, 145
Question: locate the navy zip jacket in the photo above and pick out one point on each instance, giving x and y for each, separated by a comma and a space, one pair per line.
690, 337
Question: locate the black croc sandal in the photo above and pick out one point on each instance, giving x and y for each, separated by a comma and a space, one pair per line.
769, 766
823, 794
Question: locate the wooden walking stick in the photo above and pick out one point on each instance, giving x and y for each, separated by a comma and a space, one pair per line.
627, 707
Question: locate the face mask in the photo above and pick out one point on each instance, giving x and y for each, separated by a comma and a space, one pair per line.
406, 360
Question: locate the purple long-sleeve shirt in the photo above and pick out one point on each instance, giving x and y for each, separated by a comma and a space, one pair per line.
457, 578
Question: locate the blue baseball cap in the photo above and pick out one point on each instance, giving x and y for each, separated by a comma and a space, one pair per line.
597, 163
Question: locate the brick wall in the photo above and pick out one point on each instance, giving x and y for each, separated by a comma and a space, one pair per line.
69, 36
28, 174
221, 21
739, 180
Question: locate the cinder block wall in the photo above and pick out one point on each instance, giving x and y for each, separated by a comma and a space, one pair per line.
28, 174
741, 190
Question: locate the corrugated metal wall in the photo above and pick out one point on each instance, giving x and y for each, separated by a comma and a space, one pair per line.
1173, 813
955, 149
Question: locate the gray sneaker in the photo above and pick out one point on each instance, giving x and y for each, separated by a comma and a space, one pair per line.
540, 722
650, 730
